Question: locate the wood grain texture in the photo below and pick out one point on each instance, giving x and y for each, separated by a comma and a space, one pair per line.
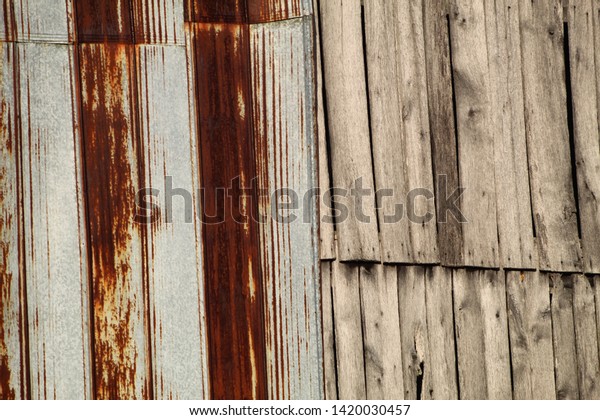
563, 338
530, 328
417, 371
348, 332
395, 52
475, 141
12, 363
585, 127
381, 332
326, 221
173, 245
327, 308
515, 230
482, 334
442, 126
110, 147
348, 122
554, 209
55, 257
286, 153
586, 336
232, 271
440, 332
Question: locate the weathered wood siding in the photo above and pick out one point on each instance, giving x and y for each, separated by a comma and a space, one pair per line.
492, 106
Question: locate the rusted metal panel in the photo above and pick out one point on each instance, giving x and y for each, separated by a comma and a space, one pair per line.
231, 262
178, 331
104, 20
36, 21
272, 10
55, 257
245, 11
112, 167
285, 138
12, 364
158, 21
215, 11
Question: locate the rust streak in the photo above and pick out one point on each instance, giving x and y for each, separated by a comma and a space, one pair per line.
112, 181
104, 21
231, 260
241, 11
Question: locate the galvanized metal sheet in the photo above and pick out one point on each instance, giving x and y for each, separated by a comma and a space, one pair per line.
179, 357
230, 235
36, 20
12, 384
112, 180
55, 257
286, 147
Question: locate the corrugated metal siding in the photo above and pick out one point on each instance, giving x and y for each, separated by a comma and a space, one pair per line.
101, 299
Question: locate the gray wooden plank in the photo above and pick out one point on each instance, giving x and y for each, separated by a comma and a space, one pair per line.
441, 120
585, 128
475, 141
395, 52
554, 209
12, 378
55, 242
348, 123
586, 337
348, 332
515, 230
286, 151
326, 222
440, 332
563, 338
329, 368
482, 334
381, 332
417, 371
174, 251
530, 329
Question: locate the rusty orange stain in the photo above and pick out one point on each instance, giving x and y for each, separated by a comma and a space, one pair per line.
241, 11
111, 166
231, 259
104, 20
